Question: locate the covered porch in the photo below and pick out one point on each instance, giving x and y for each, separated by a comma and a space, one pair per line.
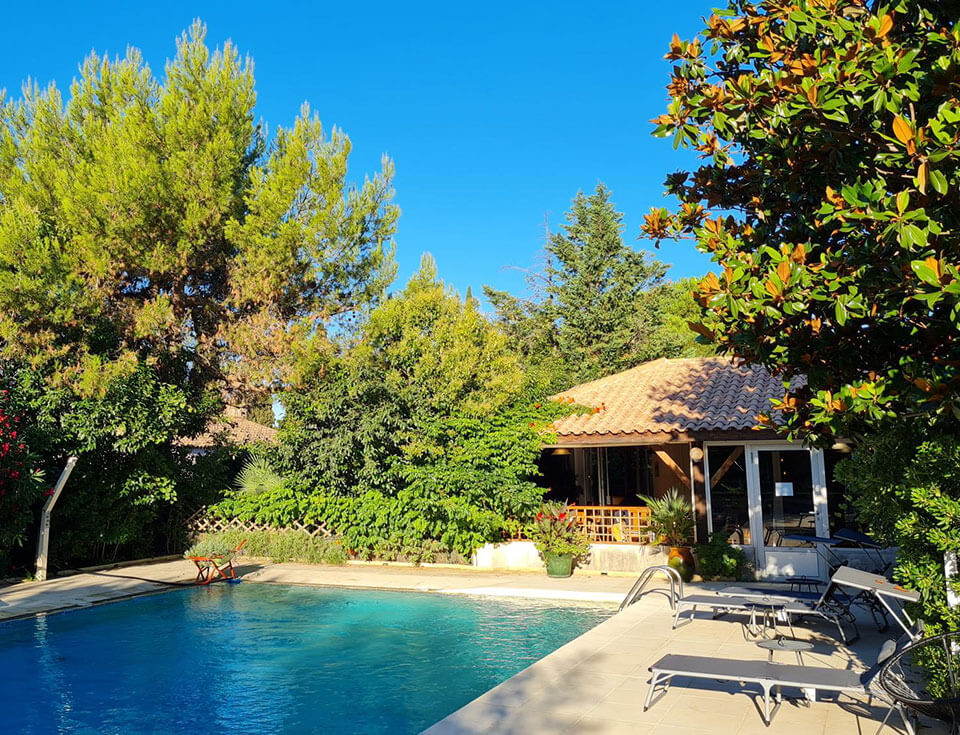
692, 424
605, 484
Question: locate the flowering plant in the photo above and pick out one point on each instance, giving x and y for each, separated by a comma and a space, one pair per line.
554, 531
19, 479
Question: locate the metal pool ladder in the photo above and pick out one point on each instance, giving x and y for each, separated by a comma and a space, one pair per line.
676, 582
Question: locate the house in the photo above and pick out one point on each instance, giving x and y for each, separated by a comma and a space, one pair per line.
232, 428
692, 424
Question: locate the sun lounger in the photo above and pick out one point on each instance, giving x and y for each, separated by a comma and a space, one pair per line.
772, 608
847, 587
772, 677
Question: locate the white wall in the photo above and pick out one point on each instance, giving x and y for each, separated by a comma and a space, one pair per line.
523, 556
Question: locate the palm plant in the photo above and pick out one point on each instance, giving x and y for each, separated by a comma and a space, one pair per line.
671, 517
258, 476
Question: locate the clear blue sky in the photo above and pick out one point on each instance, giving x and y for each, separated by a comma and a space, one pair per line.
495, 113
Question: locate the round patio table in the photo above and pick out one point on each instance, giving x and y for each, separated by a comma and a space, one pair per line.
787, 645
768, 608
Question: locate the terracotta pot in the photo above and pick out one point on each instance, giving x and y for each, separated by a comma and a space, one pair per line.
681, 559
559, 565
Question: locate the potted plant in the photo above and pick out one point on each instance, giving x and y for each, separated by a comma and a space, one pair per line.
671, 519
554, 532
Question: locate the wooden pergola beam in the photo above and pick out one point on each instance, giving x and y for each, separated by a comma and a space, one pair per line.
725, 467
667, 460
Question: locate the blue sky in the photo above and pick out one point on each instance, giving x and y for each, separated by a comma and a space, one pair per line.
495, 114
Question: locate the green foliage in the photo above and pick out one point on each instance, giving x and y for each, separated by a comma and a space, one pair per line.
671, 517
424, 430
667, 312
587, 316
132, 486
278, 546
719, 559
554, 530
158, 252
906, 485
211, 545
148, 219
258, 476
828, 199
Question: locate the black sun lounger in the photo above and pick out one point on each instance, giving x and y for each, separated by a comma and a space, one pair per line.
772, 677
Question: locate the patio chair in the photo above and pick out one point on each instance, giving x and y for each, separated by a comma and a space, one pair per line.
218, 565
772, 677
925, 677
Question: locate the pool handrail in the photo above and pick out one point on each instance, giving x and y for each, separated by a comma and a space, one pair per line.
645, 576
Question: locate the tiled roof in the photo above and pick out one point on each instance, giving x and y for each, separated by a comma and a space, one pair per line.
689, 394
233, 430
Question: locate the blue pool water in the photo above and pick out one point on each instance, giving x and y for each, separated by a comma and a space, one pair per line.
254, 658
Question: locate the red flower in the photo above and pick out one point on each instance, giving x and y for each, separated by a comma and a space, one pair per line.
561, 516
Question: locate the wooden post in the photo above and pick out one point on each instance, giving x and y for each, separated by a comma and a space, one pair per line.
43, 542
699, 489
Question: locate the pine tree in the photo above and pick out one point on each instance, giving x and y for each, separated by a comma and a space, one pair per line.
587, 316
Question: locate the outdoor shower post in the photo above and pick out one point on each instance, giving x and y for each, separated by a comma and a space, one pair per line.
43, 543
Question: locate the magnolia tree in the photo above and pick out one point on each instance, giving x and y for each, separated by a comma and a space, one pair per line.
829, 198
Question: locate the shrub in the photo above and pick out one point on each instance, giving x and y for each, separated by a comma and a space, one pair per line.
719, 559
19, 480
278, 546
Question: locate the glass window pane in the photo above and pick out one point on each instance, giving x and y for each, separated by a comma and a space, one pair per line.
786, 496
729, 509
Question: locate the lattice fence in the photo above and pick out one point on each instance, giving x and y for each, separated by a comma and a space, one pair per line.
203, 522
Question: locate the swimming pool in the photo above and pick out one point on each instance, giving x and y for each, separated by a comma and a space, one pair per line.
270, 659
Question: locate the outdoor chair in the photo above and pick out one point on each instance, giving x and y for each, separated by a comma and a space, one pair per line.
906, 678
772, 677
210, 568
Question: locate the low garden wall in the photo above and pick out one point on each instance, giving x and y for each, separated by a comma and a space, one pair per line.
523, 556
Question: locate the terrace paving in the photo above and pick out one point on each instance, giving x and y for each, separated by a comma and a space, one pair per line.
596, 684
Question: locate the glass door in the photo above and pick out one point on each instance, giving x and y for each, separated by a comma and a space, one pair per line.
788, 500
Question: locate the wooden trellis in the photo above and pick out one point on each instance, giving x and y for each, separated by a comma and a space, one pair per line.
203, 522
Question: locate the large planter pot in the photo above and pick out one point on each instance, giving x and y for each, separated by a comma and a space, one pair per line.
681, 559
559, 565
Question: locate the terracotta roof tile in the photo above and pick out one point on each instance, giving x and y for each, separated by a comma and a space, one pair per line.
688, 394
235, 430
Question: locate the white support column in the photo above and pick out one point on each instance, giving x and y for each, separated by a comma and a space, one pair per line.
43, 543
